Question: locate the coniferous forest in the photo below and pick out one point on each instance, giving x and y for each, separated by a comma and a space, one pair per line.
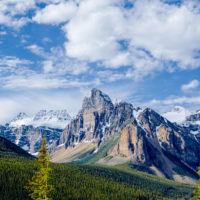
87, 182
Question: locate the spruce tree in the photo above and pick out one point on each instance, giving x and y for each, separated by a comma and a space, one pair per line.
197, 191
39, 186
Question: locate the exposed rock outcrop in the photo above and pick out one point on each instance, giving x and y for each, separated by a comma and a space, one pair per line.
125, 133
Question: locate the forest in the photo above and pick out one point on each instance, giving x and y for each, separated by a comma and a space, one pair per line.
79, 182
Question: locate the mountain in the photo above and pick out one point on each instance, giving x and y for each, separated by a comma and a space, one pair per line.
8, 149
178, 114
110, 134
27, 132
49, 118
29, 138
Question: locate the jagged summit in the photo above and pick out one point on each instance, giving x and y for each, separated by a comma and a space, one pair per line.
97, 100
20, 116
49, 118
195, 117
128, 134
177, 114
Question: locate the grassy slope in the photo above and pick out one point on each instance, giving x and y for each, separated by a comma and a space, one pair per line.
89, 182
94, 157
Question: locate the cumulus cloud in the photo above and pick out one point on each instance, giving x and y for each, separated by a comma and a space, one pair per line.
164, 32
191, 85
12, 12
56, 13
57, 63
56, 71
148, 36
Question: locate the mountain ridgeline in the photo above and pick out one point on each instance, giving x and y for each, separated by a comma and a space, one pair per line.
111, 134
10, 150
27, 131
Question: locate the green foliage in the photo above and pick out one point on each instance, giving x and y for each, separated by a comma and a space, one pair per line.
39, 186
10, 150
94, 157
197, 190
79, 182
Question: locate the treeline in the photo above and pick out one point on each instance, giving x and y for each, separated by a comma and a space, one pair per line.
77, 182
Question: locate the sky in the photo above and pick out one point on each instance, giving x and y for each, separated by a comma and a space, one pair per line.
53, 52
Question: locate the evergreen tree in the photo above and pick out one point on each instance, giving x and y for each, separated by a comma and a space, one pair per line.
197, 191
39, 186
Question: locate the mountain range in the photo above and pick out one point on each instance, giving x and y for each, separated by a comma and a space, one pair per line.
111, 134
27, 131
104, 133
48, 118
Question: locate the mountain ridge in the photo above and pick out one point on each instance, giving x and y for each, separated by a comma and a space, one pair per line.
142, 137
48, 118
9, 149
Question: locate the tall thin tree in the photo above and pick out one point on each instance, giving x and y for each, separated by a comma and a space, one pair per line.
39, 186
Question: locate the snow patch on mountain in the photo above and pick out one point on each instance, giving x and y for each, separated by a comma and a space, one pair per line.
178, 114
48, 118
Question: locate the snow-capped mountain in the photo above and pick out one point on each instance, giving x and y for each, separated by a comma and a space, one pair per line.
178, 114
125, 133
48, 118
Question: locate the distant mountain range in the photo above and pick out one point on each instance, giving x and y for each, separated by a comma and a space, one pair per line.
48, 118
26, 131
111, 134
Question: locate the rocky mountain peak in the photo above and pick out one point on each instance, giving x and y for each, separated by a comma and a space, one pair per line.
98, 100
49, 118
177, 114
20, 116
50, 114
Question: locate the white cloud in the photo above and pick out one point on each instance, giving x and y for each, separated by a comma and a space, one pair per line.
94, 30
164, 32
145, 37
12, 61
11, 105
12, 12
40, 81
56, 13
191, 85
57, 63
192, 103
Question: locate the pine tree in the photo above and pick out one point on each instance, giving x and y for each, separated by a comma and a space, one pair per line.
197, 191
39, 186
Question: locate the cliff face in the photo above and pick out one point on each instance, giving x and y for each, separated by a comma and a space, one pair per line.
97, 118
104, 133
29, 138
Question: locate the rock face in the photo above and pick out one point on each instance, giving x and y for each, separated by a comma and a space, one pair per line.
27, 131
97, 118
29, 138
194, 117
124, 133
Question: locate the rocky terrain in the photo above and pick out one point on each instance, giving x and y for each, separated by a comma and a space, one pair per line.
28, 137
27, 131
111, 134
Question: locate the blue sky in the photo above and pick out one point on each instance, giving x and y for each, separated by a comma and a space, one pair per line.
53, 52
